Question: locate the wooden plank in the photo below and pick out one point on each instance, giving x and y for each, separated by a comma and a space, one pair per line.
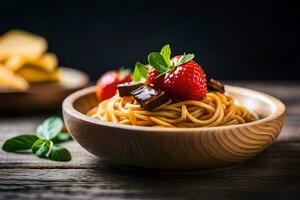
81, 193
274, 172
291, 129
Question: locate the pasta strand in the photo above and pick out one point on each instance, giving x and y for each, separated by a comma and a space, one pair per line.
216, 109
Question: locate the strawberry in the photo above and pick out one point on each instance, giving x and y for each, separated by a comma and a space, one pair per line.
186, 82
108, 82
181, 77
153, 79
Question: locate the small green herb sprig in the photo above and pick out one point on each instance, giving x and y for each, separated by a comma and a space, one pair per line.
161, 61
43, 142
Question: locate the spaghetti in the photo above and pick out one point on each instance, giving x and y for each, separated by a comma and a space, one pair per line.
216, 109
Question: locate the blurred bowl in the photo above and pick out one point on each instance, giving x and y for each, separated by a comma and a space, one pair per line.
175, 148
43, 96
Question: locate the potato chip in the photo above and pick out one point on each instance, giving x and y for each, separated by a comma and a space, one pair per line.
3, 58
9, 80
48, 62
34, 74
24, 60
24, 44
14, 62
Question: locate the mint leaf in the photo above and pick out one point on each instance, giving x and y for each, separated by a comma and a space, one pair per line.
60, 154
42, 144
21, 142
157, 61
42, 148
50, 128
140, 72
185, 58
62, 137
166, 53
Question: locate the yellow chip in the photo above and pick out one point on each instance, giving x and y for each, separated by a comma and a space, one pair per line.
22, 43
14, 62
9, 80
48, 62
34, 74
3, 58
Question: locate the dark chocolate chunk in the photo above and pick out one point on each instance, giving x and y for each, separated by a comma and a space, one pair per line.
149, 97
126, 88
215, 85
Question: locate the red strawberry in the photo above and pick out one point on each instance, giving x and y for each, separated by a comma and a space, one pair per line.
186, 82
154, 80
108, 82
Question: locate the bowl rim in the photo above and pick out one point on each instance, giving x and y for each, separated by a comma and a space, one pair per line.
277, 106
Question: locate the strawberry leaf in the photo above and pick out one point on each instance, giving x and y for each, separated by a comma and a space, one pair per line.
140, 72
157, 61
186, 58
166, 53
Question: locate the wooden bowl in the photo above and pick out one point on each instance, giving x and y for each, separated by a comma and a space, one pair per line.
45, 96
175, 148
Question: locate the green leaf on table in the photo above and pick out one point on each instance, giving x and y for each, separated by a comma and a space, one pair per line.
140, 72
41, 144
62, 137
166, 54
157, 61
19, 143
42, 148
50, 128
185, 58
60, 154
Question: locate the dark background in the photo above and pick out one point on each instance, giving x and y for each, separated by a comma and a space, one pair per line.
231, 39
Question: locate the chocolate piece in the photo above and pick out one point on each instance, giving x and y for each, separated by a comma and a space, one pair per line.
149, 97
126, 88
215, 85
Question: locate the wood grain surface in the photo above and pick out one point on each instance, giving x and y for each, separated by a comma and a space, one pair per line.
274, 174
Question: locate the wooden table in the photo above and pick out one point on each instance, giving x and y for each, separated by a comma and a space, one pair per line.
274, 173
